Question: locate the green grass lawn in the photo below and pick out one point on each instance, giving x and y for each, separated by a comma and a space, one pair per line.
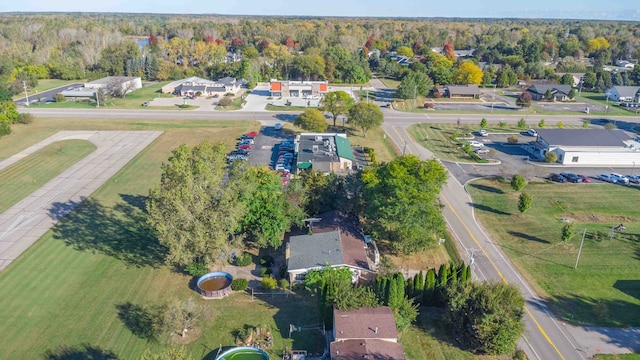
440, 142
599, 98
287, 108
236, 104
605, 288
389, 82
617, 357
29, 174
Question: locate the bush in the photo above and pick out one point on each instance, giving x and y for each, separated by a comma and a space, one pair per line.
520, 355
268, 283
512, 139
197, 268
522, 124
283, 271
239, 284
225, 101
428, 105
284, 283
483, 123
586, 123
266, 260
502, 124
551, 157
265, 271
518, 182
524, 202
5, 129
541, 123
560, 125
568, 231
243, 260
59, 97
610, 126
24, 118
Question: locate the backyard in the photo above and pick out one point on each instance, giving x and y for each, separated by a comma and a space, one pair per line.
604, 290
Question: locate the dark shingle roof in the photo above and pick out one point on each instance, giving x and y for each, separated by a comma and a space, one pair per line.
542, 88
366, 349
310, 251
463, 89
626, 91
583, 137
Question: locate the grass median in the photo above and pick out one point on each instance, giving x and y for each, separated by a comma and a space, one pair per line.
27, 175
604, 290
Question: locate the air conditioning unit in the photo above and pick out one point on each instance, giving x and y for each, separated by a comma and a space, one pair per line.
318, 137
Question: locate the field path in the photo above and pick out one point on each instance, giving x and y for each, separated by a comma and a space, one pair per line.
24, 223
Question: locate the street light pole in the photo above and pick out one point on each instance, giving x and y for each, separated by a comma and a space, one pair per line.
24, 85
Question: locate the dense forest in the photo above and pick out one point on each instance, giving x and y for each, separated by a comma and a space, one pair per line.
340, 50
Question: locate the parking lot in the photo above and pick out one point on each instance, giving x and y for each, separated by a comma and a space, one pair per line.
514, 160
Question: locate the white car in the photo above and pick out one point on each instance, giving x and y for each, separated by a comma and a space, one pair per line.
532, 132
475, 144
483, 133
618, 179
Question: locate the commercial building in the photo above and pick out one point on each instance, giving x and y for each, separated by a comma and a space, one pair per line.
303, 89
324, 152
594, 147
194, 85
462, 91
558, 92
117, 85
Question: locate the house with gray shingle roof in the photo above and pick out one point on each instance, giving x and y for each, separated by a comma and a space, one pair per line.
558, 92
623, 93
334, 240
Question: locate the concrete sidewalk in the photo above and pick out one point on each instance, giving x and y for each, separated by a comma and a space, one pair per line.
25, 222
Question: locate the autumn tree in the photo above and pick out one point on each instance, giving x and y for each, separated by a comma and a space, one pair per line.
468, 73
312, 120
405, 51
524, 99
365, 116
336, 103
449, 52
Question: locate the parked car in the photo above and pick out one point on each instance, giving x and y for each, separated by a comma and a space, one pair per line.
241, 152
244, 147
146, 103
584, 178
246, 142
251, 134
557, 178
236, 157
633, 178
483, 133
278, 126
481, 151
605, 177
475, 144
532, 132
618, 179
571, 177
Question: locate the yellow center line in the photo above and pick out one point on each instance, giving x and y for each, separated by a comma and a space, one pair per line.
501, 276
400, 138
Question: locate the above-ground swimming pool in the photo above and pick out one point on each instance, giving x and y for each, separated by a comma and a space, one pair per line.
243, 353
215, 285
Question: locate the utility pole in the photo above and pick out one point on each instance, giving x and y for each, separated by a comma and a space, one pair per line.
494, 97
404, 150
24, 85
580, 250
415, 95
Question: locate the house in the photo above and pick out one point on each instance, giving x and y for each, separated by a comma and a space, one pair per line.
588, 146
194, 85
577, 78
623, 93
625, 64
334, 240
324, 152
460, 54
118, 85
463, 91
288, 88
365, 333
558, 92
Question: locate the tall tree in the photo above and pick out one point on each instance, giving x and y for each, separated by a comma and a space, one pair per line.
365, 116
312, 120
193, 211
401, 202
336, 103
468, 73
414, 84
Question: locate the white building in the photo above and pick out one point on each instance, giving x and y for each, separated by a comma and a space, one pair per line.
623, 93
194, 85
118, 85
588, 147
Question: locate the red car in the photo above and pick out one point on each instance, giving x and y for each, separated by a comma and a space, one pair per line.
251, 134
285, 181
244, 147
584, 178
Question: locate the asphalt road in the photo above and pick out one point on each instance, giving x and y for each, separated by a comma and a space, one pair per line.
46, 95
545, 338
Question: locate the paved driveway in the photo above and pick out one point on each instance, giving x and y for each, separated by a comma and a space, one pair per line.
24, 223
46, 95
257, 99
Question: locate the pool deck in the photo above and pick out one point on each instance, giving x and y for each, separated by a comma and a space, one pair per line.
25, 222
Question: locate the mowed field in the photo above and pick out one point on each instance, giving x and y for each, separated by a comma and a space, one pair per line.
605, 288
24, 177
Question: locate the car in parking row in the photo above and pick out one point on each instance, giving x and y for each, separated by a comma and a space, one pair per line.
614, 178
557, 178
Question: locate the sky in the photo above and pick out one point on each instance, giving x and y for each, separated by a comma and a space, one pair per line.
563, 9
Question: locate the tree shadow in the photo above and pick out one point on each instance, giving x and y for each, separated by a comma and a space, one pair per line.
79, 352
629, 287
137, 201
581, 310
286, 117
430, 322
488, 209
486, 188
528, 237
139, 320
120, 231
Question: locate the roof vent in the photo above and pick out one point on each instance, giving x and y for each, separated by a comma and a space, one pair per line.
318, 137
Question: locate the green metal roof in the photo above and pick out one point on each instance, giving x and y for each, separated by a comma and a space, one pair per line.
343, 148
304, 165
